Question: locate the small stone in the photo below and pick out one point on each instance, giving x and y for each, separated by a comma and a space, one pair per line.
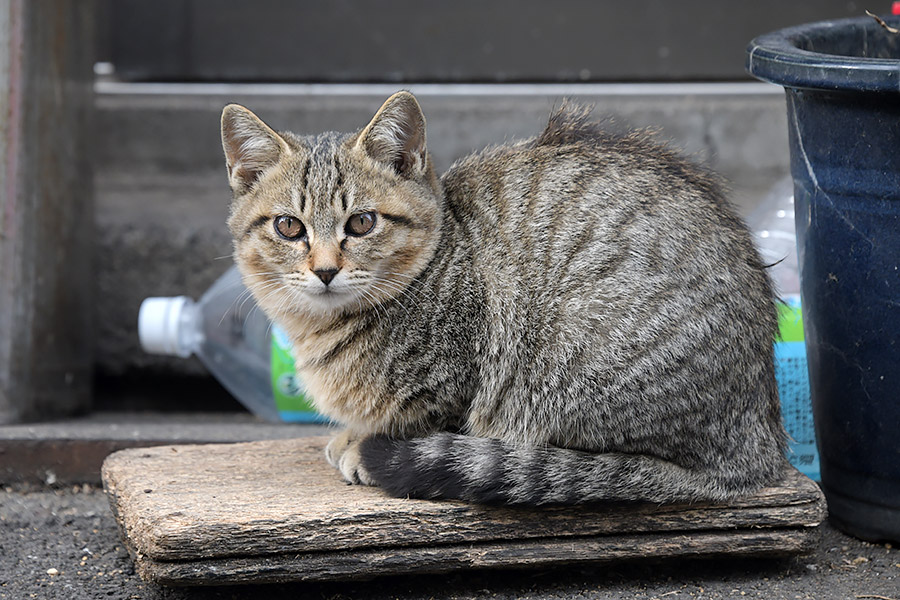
812, 567
52, 572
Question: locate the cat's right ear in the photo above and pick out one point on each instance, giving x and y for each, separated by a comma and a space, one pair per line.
396, 136
250, 146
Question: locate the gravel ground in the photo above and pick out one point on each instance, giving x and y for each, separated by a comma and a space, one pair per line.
64, 544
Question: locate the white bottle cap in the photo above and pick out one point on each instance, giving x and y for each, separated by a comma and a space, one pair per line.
160, 323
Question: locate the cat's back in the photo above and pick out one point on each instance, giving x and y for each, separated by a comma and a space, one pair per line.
579, 200
616, 270
610, 249
574, 167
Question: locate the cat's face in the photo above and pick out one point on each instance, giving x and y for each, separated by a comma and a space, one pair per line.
334, 223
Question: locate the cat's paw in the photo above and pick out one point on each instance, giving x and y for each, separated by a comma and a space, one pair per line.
342, 452
337, 446
351, 467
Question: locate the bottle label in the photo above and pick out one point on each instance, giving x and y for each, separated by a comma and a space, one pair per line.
793, 388
287, 389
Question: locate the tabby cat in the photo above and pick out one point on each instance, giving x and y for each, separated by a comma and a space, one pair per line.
572, 318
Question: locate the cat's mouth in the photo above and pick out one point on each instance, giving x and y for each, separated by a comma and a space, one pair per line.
319, 290
328, 297
325, 292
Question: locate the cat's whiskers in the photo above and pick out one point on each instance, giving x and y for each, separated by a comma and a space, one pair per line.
358, 299
388, 287
368, 280
303, 287
237, 305
291, 297
274, 285
264, 285
406, 275
373, 302
405, 288
231, 307
263, 294
407, 291
238, 298
387, 293
356, 284
260, 288
364, 298
412, 283
267, 291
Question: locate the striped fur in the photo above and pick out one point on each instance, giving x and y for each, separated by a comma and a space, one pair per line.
571, 318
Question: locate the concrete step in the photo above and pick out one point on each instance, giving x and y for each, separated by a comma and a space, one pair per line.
162, 197
70, 451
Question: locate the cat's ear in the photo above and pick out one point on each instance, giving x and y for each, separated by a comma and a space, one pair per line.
396, 135
250, 146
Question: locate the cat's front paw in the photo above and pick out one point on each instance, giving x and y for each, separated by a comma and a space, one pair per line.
337, 446
342, 452
350, 465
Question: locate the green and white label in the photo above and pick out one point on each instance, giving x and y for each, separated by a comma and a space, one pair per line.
287, 388
793, 388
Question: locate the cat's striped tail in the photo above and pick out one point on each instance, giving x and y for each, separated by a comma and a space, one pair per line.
446, 465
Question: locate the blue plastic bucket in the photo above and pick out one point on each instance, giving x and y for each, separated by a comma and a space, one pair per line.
842, 81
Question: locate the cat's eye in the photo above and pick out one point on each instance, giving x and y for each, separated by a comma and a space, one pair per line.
290, 228
360, 224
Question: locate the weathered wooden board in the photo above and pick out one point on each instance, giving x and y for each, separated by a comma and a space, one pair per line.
368, 563
276, 511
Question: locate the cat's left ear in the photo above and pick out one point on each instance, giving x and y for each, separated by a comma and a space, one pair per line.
396, 136
250, 146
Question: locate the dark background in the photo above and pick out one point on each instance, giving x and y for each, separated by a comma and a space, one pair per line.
444, 41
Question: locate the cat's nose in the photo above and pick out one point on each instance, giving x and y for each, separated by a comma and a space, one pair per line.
326, 275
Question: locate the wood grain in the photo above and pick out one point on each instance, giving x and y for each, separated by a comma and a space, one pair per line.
275, 510
372, 562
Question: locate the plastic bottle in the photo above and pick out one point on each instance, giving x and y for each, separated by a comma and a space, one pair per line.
773, 227
250, 356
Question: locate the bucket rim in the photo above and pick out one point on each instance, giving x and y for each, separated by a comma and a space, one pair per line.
776, 57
